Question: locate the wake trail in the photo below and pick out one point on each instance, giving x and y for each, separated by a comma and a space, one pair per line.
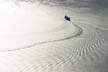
79, 32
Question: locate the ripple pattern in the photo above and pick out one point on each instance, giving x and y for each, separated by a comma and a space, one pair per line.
86, 51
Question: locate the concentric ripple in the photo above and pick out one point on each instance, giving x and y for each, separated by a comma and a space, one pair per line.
69, 51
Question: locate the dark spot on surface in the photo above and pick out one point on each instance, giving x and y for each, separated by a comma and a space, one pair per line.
67, 18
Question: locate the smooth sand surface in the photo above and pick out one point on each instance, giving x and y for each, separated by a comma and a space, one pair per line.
55, 45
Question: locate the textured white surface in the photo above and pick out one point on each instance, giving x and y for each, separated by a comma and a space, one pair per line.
31, 24
62, 49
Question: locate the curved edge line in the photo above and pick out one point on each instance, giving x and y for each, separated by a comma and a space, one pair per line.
35, 44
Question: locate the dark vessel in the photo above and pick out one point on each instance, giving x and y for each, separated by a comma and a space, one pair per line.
67, 18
